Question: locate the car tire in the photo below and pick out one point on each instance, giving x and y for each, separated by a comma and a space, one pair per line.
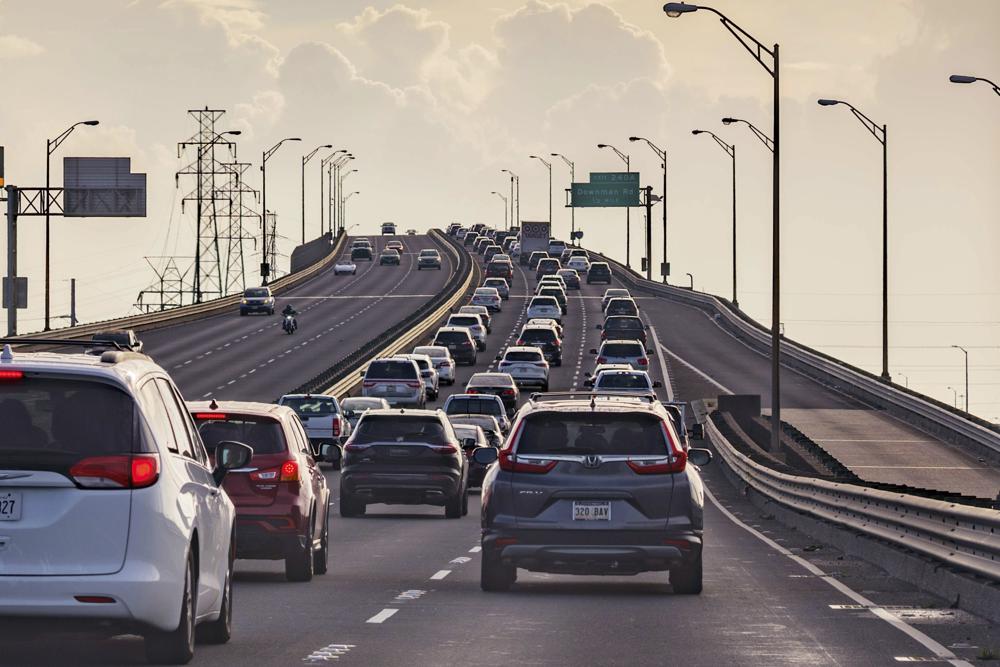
176, 647
557, 362
349, 506
299, 565
545, 387
494, 576
336, 466
687, 579
453, 506
243, 313
465, 499
321, 558
220, 631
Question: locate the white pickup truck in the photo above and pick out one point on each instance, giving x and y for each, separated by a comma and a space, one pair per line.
321, 416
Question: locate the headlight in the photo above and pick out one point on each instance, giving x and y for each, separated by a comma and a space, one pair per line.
243, 301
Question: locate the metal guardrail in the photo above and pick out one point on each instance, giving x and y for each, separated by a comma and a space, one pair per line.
344, 376
958, 535
147, 321
914, 408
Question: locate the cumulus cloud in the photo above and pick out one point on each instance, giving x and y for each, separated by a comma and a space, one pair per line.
14, 46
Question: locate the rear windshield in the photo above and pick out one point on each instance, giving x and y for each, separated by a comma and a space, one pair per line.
474, 406
400, 428
51, 423
599, 268
491, 380
422, 364
622, 350
523, 356
538, 335
548, 263
604, 433
451, 337
486, 291
312, 406
391, 370
495, 282
258, 292
552, 291
622, 381
618, 323
544, 301
263, 434
432, 352
359, 403
468, 321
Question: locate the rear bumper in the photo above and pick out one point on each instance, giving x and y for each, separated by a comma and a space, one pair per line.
269, 537
424, 488
256, 308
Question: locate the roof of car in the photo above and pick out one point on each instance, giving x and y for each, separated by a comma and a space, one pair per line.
632, 341
241, 407
388, 412
490, 377
124, 366
524, 348
448, 329
591, 402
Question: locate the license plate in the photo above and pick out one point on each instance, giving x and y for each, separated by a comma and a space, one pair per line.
10, 506
400, 451
592, 511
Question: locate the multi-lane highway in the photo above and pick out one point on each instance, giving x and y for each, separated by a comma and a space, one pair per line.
403, 587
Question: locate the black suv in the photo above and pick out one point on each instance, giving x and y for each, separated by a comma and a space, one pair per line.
593, 484
545, 338
361, 252
623, 327
599, 272
408, 457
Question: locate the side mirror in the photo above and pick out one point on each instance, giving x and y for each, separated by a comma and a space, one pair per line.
697, 431
645, 327
230, 455
361, 374
485, 456
599, 327
330, 453
650, 353
588, 383
657, 384
593, 350
499, 357
348, 414
699, 457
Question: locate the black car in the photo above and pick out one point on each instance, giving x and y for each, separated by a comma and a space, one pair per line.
459, 342
621, 306
536, 257
389, 256
498, 384
544, 338
472, 438
361, 252
406, 457
623, 327
599, 272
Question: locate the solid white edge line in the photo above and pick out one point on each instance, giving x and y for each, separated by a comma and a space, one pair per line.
697, 370
382, 616
440, 574
930, 644
667, 385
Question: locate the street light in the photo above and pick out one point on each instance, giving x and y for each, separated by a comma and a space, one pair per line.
50, 147
548, 165
572, 209
761, 54
662, 153
322, 202
265, 265
691, 286
963, 78
954, 397
764, 139
340, 192
880, 134
505, 223
906, 380
966, 352
515, 215
731, 152
305, 160
333, 197
628, 218
343, 220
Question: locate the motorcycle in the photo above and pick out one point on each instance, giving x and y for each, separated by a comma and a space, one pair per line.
289, 325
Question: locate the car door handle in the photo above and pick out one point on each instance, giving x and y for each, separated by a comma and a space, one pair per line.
213, 492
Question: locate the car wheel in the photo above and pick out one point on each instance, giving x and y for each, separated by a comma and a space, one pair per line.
686, 579
453, 506
177, 646
349, 507
220, 630
243, 313
465, 500
299, 565
321, 558
545, 387
557, 362
336, 466
494, 576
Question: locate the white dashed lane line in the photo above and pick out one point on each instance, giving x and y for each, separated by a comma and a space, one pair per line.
475, 550
440, 574
382, 616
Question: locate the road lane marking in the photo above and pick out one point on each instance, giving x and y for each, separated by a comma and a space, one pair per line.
475, 550
930, 644
690, 366
461, 560
440, 574
328, 653
382, 616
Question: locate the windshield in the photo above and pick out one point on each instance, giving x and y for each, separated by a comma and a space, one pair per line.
256, 293
400, 429
544, 301
636, 434
468, 321
452, 337
312, 406
433, 352
263, 434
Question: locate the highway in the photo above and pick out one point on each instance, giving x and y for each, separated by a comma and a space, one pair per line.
403, 587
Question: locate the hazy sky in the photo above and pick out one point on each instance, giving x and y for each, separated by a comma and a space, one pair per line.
435, 97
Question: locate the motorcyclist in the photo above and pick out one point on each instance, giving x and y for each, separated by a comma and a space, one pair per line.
291, 312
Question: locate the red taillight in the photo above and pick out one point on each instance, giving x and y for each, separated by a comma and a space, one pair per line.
209, 415
336, 425
643, 361
11, 376
471, 390
520, 341
680, 544
355, 447
676, 461
448, 449
604, 335
510, 463
117, 472
508, 392
289, 471
602, 360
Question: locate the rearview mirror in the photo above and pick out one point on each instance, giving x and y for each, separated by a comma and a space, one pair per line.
487, 455
230, 455
593, 350
650, 353
699, 457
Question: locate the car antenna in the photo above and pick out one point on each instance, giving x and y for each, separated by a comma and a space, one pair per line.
213, 405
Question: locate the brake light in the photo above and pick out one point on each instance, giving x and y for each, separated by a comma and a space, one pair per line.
289, 472
11, 376
336, 425
412, 385
602, 360
124, 471
508, 392
604, 335
209, 415
447, 450
471, 390
369, 384
510, 463
356, 447
643, 361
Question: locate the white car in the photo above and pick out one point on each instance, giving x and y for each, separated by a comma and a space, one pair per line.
630, 352
625, 382
321, 416
345, 266
473, 323
554, 279
544, 307
441, 356
484, 315
396, 380
489, 297
578, 263
110, 509
545, 322
501, 286
526, 365
428, 372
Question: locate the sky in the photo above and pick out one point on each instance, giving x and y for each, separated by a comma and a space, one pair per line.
436, 97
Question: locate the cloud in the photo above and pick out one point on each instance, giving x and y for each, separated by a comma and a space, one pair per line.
14, 46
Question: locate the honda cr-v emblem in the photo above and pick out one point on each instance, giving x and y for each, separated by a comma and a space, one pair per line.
591, 461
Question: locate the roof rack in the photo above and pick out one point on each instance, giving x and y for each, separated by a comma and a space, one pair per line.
92, 344
589, 395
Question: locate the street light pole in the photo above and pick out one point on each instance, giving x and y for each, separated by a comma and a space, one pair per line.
265, 265
662, 154
322, 202
343, 224
340, 194
572, 209
731, 152
50, 147
761, 54
515, 199
963, 78
880, 132
305, 160
966, 352
505, 224
548, 165
628, 210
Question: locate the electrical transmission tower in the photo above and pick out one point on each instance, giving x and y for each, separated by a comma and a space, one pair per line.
238, 194
168, 288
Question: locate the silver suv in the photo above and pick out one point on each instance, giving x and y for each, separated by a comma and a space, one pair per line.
593, 484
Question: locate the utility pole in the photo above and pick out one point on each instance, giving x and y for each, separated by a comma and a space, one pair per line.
649, 231
12, 203
72, 302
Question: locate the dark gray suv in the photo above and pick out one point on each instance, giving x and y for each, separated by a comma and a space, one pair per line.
593, 484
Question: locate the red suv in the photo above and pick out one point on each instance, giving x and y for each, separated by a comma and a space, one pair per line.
281, 496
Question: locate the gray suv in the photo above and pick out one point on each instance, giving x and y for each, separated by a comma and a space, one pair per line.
593, 484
